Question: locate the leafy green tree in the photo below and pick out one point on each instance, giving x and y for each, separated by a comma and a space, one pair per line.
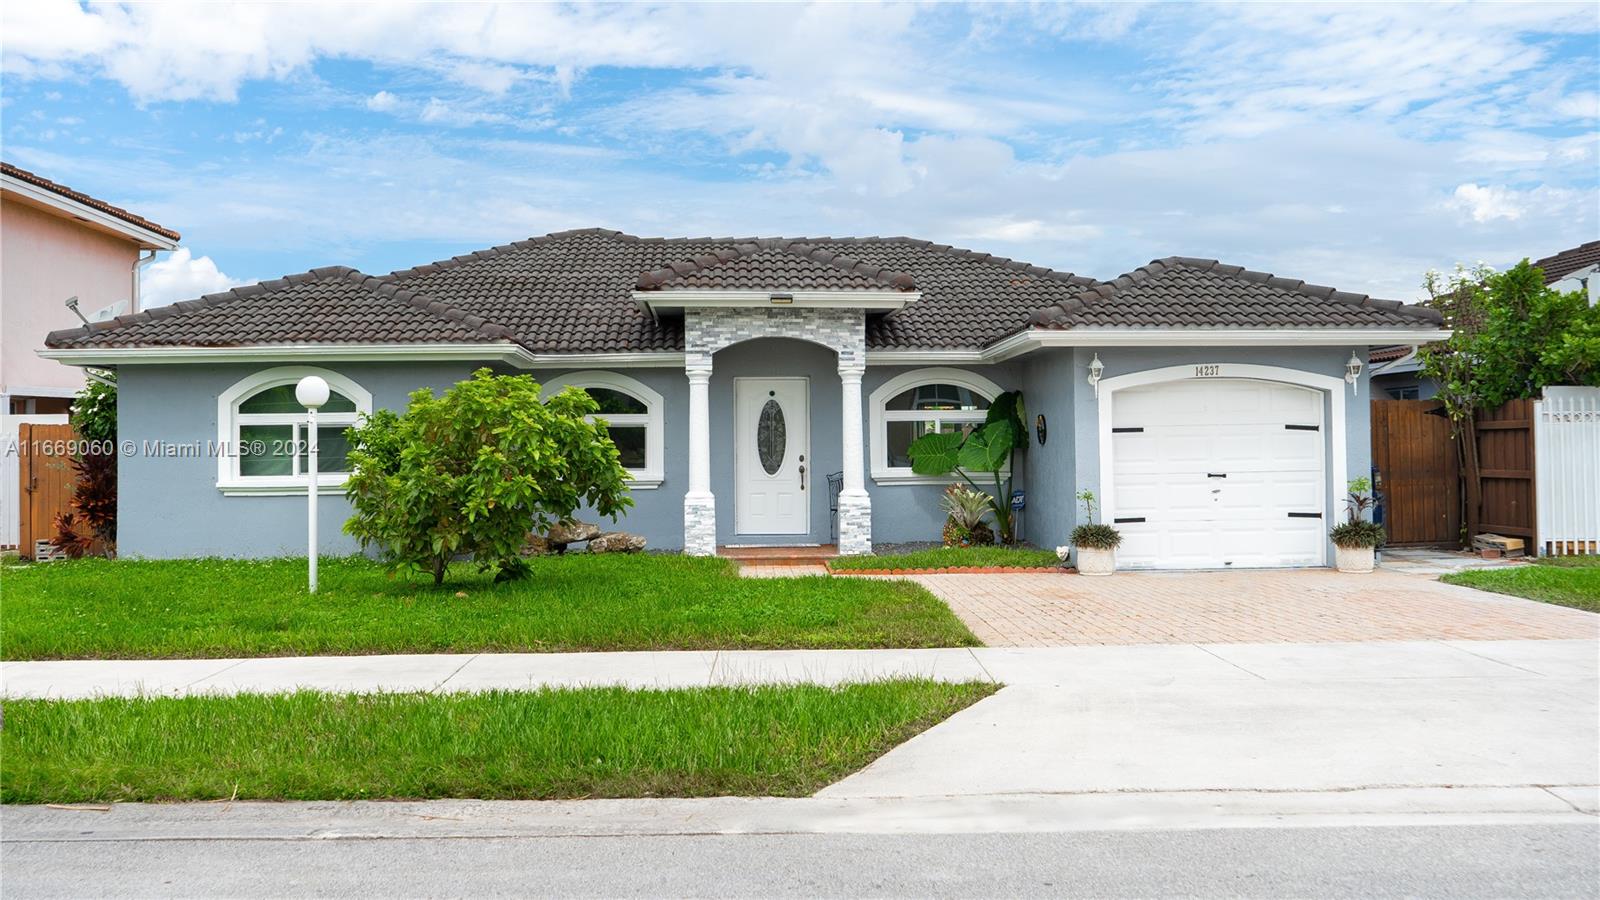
990, 449
473, 471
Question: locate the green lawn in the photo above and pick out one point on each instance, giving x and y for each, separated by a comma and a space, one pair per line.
1563, 580
945, 557
224, 608
600, 742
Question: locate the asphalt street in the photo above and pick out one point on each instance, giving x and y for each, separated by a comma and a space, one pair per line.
1457, 861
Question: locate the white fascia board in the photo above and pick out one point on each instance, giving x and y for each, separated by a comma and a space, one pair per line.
96, 356
644, 359
1026, 341
872, 301
922, 357
144, 236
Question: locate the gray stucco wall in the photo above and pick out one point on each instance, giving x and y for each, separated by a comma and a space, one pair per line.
170, 507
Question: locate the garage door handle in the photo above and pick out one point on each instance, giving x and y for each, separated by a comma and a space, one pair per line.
1216, 474
1305, 515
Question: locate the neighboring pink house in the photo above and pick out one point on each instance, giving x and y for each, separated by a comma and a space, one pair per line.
57, 243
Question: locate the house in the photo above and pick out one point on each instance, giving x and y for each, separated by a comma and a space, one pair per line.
1217, 412
56, 244
1397, 373
60, 243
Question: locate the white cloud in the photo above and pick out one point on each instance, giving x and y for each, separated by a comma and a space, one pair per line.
382, 101
181, 276
1487, 202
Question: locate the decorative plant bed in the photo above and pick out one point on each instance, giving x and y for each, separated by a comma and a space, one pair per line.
948, 560
958, 570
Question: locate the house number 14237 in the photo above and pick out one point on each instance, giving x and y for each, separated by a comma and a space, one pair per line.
1210, 371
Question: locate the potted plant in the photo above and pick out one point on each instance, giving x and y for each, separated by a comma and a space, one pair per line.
1097, 544
965, 509
1356, 539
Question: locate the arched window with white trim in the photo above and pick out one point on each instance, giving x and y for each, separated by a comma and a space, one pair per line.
263, 427
633, 416
925, 401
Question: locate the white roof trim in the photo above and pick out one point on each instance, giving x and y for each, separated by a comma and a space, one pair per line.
98, 217
1026, 341
873, 301
488, 352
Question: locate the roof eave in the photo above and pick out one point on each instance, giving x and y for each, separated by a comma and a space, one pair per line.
95, 218
489, 351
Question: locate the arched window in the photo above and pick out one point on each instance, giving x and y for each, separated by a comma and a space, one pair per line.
916, 403
263, 428
633, 416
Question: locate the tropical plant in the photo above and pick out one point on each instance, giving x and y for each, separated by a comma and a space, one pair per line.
1356, 530
93, 415
988, 449
471, 472
965, 509
1091, 536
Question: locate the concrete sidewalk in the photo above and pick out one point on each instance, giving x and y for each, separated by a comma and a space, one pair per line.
1206, 666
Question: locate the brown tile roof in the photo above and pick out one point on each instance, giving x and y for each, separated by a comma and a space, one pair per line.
81, 197
332, 305
774, 264
571, 292
1182, 292
1558, 265
1388, 354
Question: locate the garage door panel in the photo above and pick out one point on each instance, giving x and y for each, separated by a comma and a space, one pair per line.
1232, 428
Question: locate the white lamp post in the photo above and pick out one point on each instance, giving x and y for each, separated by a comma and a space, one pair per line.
312, 392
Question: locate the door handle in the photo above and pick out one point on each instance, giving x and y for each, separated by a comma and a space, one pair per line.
802, 477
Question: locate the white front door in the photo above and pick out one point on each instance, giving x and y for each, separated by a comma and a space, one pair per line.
772, 449
1218, 473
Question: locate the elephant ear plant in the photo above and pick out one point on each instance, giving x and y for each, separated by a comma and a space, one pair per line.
989, 450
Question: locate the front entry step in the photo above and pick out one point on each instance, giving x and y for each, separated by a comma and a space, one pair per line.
780, 556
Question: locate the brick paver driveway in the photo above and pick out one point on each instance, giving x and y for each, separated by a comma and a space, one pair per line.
1264, 606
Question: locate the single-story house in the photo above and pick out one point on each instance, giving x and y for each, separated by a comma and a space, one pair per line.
1216, 412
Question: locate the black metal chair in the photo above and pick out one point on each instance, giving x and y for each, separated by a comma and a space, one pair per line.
835, 485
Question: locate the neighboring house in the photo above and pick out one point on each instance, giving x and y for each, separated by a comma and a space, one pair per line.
1396, 370
57, 243
1217, 412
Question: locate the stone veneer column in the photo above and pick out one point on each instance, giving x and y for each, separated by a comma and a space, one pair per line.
855, 505
699, 504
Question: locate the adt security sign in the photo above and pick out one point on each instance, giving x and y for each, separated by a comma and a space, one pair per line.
1018, 500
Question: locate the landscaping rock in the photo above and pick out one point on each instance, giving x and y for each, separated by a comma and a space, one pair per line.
535, 545
571, 532
616, 542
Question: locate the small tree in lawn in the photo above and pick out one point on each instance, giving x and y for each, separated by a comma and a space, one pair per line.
473, 471
989, 449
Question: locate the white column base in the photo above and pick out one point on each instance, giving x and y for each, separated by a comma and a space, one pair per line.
855, 523
700, 525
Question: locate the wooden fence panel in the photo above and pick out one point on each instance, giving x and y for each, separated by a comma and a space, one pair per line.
45, 482
1506, 470
1420, 472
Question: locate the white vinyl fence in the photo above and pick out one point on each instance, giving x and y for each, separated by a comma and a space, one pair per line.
1566, 446
11, 473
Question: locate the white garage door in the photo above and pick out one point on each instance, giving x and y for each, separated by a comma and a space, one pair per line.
1218, 473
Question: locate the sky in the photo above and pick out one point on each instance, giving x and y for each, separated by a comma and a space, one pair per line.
1350, 145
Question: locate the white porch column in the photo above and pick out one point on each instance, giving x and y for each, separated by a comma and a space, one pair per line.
699, 504
855, 505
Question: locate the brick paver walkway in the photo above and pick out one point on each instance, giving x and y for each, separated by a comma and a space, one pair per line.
1269, 606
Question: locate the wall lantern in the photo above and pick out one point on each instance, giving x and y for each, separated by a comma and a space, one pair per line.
1096, 369
312, 392
1352, 372
1039, 427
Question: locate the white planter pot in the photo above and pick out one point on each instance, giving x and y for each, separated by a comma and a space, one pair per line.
1353, 559
1096, 562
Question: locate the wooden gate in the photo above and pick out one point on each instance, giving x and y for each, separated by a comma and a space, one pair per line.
44, 465
1419, 472
1506, 471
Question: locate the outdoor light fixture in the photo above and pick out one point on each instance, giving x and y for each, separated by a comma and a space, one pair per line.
1096, 369
312, 392
1352, 372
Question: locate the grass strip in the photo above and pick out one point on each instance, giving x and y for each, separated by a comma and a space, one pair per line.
1563, 580
952, 557
209, 608
558, 743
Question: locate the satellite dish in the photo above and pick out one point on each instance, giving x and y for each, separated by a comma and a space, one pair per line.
106, 314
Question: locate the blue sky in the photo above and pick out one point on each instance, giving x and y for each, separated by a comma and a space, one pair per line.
1352, 145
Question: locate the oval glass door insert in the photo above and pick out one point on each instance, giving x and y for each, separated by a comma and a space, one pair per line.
771, 437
